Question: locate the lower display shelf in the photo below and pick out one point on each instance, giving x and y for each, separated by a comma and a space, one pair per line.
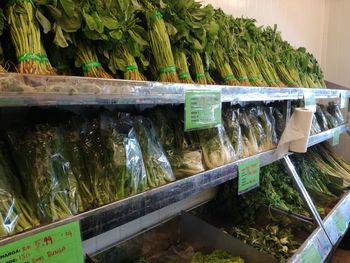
103, 219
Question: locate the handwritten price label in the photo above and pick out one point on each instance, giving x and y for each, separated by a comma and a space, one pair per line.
311, 254
248, 175
60, 244
202, 109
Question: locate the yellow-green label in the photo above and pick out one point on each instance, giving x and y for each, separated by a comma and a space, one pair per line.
311, 255
309, 100
202, 109
248, 175
339, 222
344, 99
336, 137
56, 245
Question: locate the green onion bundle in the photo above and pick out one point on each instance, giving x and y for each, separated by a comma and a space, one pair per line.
182, 66
26, 37
223, 67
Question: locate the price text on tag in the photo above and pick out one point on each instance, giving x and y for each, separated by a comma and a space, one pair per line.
310, 100
339, 222
202, 109
60, 244
336, 138
311, 254
248, 175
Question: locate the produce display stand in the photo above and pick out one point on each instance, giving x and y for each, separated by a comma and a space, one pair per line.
32, 90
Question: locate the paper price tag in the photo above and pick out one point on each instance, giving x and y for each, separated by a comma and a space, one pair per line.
310, 100
248, 175
339, 222
344, 99
202, 109
311, 254
56, 245
336, 137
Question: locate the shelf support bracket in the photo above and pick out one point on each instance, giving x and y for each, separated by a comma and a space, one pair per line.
304, 194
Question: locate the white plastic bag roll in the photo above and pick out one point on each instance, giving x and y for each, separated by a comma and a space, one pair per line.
296, 134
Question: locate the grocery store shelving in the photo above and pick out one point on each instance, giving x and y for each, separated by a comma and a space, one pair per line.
103, 219
32, 90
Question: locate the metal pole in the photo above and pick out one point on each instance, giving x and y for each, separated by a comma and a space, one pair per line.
304, 194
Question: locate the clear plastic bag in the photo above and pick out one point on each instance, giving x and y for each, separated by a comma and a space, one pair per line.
334, 110
257, 127
216, 146
321, 118
158, 168
233, 130
264, 120
250, 144
42, 164
315, 127
280, 122
16, 215
332, 122
123, 155
269, 115
182, 148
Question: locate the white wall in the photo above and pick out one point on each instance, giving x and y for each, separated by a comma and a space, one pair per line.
302, 22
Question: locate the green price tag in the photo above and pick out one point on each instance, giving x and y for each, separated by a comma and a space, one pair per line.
336, 137
202, 109
339, 222
56, 245
311, 255
248, 175
344, 99
309, 100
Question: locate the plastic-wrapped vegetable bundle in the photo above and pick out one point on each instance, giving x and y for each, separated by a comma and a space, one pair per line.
270, 116
182, 148
250, 144
158, 168
216, 147
335, 111
15, 213
269, 141
280, 122
321, 118
123, 155
315, 127
257, 127
332, 122
233, 130
51, 184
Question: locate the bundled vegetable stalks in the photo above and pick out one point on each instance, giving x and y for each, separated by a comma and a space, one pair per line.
335, 111
216, 147
51, 184
158, 168
182, 66
26, 37
15, 213
280, 122
223, 67
87, 59
160, 44
181, 148
198, 68
62, 59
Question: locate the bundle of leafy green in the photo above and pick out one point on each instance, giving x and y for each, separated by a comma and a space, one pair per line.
334, 110
23, 18
41, 162
182, 148
158, 168
216, 256
16, 215
159, 41
216, 147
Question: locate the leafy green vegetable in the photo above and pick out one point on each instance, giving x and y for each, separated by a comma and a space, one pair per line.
217, 256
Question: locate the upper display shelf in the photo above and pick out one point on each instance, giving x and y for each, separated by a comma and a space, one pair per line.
35, 90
